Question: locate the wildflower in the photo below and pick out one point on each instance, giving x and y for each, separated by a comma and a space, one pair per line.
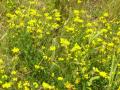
64, 42
4, 76
26, 88
103, 74
14, 79
68, 85
35, 84
104, 30
47, 86
69, 29
21, 24
37, 66
1, 82
76, 47
99, 40
52, 48
111, 44
86, 76
46, 14
57, 14
55, 25
77, 19
49, 18
60, 78
39, 31
58, 19
60, 59
1, 61
118, 65
32, 12
7, 85
2, 70
18, 12
52, 74
76, 12
26, 83
89, 30
15, 50
19, 84
32, 22
95, 69
13, 72
118, 33
89, 24
77, 81
79, 1
106, 14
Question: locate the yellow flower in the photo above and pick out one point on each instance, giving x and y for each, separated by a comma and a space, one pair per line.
76, 12
60, 59
7, 85
77, 19
118, 88
103, 74
37, 66
39, 31
69, 29
32, 22
106, 14
76, 47
86, 76
89, 30
49, 18
26, 88
60, 78
99, 40
95, 69
57, 14
52, 48
46, 14
47, 86
111, 44
1, 61
13, 72
15, 50
79, 1
68, 85
1, 82
55, 25
19, 84
89, 24
4, 76
14, 79
118, 65
26, 83
52, 74
77, 81
118, 33
64, 42
35, 84
33, 12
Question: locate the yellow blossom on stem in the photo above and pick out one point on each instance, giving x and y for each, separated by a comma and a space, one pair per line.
103, 74
7, 85
60, 78
64, 42
52, 48
15, 50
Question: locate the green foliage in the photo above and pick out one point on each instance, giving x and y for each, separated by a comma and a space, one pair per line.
59, 45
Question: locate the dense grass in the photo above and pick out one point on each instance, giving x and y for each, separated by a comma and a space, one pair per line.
59, 45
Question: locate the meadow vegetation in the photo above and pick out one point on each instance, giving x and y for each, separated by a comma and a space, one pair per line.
59, 45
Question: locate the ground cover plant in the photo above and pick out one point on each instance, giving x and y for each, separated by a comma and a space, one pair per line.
59, 45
